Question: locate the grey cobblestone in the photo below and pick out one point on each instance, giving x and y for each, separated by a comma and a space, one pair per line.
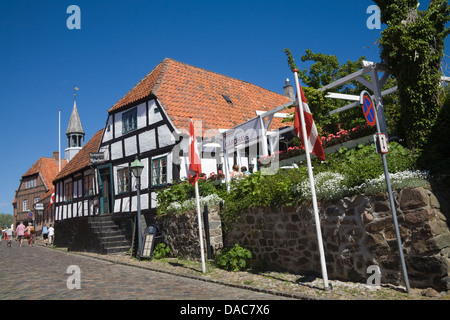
38, 273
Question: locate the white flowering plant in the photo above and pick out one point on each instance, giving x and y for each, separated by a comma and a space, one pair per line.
212, 200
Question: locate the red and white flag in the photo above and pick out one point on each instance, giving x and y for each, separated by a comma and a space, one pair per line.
195, 167
52, 199
314, 143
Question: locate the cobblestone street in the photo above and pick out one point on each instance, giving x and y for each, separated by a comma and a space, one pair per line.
39, 273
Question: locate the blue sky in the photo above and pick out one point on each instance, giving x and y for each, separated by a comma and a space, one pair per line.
121, 41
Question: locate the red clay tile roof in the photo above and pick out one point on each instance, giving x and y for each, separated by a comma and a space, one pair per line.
48, 168
186, 91
81, 159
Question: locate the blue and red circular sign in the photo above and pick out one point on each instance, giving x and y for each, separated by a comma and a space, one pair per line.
368, 108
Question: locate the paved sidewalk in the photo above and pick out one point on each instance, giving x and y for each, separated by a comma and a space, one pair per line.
277, 283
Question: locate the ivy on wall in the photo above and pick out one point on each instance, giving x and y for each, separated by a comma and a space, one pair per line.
412, 48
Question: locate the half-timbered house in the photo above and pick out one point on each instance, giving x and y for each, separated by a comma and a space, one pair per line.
151, 123
152, 119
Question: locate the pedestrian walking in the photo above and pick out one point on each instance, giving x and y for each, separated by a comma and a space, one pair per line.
8, 236
51, 234
45, 234
29, 231
20, 233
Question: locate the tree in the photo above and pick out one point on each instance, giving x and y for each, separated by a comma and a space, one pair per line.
5, 220
412, 48
324, 70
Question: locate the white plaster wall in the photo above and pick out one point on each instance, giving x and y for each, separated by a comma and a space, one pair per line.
116, 150
105, 151
141, 115
130, 146
86, 208
165, 137
145, 175
152, 116
108, 132
134, 203
154, 202
144, 201
147, 140
79, 208
125, 204
117, 205
118, 125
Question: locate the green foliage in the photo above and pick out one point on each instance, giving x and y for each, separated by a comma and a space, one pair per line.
5, 220
436, 154
347, 168
233, 259
260, 190
161, 251
325, 69
412, 47
181, 192
363, 163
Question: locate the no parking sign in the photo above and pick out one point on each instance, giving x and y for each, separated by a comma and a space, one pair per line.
368, 108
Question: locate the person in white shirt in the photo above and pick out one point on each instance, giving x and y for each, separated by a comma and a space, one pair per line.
51, 235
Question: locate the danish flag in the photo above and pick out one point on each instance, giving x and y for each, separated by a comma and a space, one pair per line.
314, 143
195, 167
52, 199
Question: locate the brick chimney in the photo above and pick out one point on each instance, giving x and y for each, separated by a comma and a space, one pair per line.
288, 90
56, 155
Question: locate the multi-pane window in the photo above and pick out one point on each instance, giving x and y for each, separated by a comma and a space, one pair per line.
24, 205
89, 185
69, 191
159, 171
129, 120
123, 180
31, 183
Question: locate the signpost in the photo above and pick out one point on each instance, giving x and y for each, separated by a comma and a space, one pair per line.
376, 117
368, 108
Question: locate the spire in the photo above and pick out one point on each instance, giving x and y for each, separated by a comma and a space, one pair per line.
75, 122
75, 133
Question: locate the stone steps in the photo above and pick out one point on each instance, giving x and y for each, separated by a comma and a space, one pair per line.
112, 240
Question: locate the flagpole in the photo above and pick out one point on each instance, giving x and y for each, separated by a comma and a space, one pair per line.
197, 199
311, 183
59, 139
194, 157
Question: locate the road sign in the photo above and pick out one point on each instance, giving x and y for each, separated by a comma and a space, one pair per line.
368, 108
382, 140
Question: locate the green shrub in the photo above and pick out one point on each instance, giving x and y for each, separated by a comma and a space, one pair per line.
233, 259
181, 192
161, 251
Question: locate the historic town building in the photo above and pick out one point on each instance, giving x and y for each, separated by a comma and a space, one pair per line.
35, 187
151, 123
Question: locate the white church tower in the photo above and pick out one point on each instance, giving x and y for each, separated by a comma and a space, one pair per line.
74, 133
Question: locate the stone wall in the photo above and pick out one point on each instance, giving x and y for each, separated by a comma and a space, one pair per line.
357, 232
181, 233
